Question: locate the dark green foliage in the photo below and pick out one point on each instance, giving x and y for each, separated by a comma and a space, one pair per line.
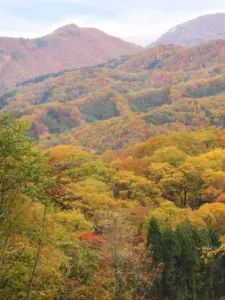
153, 64
154, 240
114, 63
5, 96
56, 124
143, 101
189, 241
218, 121
189, 260
117, 146
170, 245
204, 237
170, 251
159, 118
219, 274
215, 242
44, 97
217, 70
43, 77
40, 43
99, 111
205, 91
23, 41
190, 271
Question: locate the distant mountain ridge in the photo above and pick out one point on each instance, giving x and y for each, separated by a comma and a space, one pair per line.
67, 47
195, 32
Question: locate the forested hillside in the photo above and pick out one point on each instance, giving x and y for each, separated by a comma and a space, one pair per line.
126, 100
147, 223
112, 180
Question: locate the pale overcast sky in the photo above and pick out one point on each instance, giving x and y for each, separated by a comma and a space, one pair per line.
138, 21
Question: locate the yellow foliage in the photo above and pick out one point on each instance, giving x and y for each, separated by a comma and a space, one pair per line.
210, 214
62, 152
73, 220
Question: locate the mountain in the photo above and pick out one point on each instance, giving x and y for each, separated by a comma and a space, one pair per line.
119, 224
124, 187
194, 32
126, 100
79, 217
66, 48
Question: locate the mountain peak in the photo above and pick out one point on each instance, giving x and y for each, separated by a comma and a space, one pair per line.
194, 32
69, 29
68, 47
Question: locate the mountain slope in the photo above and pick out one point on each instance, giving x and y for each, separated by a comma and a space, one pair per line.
66, 48
196, 31
126, 100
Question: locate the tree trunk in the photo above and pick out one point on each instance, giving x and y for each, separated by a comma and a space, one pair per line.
37, 256
185, 198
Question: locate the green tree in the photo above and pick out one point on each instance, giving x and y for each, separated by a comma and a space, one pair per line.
215, 242
189, 260
23, 175
154, 240
170, 253
171, 155
22, 166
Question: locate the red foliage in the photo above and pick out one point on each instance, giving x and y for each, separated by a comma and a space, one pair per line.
106, 260
124, 133
91, 238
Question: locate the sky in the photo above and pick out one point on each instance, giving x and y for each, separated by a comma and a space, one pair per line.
137, 21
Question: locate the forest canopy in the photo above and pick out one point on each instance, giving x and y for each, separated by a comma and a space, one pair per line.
112, 180
139, 225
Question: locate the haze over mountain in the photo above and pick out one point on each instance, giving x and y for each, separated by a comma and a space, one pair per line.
66, 48
194, 32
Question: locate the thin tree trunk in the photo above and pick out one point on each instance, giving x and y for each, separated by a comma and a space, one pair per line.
1, 200
185, 286
194, 287
116, 276
37, 255
185, 198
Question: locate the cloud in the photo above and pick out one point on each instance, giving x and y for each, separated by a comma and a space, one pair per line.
139, 21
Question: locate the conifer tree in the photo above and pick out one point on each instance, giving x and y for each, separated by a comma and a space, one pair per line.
154, 240
189, 259
214, 238
170, 252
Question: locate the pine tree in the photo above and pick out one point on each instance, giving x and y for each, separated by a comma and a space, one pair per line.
154, 244
189, 262
204, 236
215, 242
154, 240
170, 252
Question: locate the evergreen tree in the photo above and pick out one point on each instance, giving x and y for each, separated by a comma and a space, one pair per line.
204, 237
154, 244
214, 239
189, 260
154, 240
170, 252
